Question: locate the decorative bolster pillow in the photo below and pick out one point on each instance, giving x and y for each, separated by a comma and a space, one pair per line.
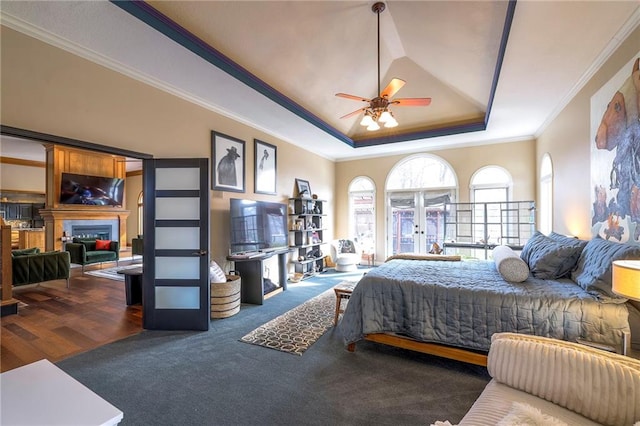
509, 264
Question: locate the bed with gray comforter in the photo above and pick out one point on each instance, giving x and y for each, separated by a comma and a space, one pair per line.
557, 287
463, 303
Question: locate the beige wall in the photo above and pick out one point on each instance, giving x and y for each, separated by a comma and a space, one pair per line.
49, 90
15, 177
132, 190
518, 158
567, 139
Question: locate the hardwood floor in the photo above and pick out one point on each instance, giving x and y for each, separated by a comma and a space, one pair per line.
54, 322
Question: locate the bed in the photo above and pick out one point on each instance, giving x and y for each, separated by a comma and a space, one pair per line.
453, 308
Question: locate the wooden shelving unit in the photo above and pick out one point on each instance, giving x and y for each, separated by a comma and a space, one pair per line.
306, 235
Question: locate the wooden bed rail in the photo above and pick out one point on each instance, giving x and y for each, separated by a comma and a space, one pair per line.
457, 354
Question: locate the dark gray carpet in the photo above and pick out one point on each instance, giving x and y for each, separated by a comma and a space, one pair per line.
211, 378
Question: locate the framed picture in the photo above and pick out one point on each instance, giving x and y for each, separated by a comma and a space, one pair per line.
228, 163
304, 189
265, 161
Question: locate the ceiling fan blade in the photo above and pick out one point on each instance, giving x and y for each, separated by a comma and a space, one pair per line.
351, 114
412, 102
392, 88
355, 98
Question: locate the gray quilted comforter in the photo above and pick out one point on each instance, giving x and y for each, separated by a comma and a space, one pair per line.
463, 303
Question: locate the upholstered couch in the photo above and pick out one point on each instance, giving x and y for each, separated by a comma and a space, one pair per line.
84, 251
136, 246
565, 381
30, 266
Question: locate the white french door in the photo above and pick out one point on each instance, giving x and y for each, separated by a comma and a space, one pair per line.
176, 244
415, 220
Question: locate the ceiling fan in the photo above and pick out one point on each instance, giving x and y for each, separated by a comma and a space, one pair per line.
378, 109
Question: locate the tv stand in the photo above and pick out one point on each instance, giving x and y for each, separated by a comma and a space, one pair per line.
250, 268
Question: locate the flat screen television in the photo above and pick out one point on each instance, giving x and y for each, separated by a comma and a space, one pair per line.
257, 226
91, 190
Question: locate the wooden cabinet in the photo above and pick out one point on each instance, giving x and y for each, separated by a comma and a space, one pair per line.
306, 235
31, 238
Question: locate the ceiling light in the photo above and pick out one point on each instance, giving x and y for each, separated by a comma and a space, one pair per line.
373, 126
391, 123
366, 120
385, 116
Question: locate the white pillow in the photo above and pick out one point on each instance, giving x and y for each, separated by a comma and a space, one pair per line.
216, 274
524, 414
509, 264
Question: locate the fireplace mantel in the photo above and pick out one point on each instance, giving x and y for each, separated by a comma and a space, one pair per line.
54, 221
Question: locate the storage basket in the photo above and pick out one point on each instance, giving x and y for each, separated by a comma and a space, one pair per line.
225, 297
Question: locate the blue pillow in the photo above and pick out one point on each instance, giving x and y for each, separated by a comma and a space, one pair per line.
567, 241
594, 265
548, 259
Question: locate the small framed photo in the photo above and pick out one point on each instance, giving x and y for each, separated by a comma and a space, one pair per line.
304, 189
265, 168
228, 163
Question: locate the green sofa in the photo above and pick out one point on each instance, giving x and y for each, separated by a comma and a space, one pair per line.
30, 266
83, 252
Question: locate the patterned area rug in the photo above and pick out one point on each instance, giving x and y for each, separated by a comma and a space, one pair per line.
296, 330
112, 273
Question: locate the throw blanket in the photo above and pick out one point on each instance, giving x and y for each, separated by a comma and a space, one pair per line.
415, 256
464, 303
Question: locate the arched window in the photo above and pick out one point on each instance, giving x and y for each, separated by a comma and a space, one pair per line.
417, 189
140, 214
362, 212
545, 209
491, 183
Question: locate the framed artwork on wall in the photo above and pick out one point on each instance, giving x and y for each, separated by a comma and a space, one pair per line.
615, 156
265, 172
304, 189
227, 155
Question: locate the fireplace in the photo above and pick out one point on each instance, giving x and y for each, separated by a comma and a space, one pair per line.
99, 232
103, 229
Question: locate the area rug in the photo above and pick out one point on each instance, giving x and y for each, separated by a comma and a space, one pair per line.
112, 273
296, 330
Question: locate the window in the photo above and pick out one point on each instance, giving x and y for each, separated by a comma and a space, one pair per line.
546, 195
140, 214
362, 213
491, 183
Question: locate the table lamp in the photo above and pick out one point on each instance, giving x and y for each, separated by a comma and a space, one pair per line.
626, 278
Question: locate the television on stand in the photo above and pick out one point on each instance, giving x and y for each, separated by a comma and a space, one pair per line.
257, 226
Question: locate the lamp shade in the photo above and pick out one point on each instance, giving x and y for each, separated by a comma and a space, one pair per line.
626, 278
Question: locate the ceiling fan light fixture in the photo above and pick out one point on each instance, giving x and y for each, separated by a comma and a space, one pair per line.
385, 116
391, 123
366, 120
373, 126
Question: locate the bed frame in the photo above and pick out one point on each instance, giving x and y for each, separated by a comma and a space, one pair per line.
468, 356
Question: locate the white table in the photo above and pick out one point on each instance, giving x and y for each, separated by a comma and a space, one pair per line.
42, 394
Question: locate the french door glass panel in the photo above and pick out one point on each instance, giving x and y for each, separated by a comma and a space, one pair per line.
416, 220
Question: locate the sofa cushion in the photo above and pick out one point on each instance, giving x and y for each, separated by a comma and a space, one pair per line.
103, 244
510, 265
593, 272
25, 252
100, 256
346, 246
89, 244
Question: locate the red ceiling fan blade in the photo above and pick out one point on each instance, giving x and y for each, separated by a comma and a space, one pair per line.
392, 88
355, 98
351, 114
412, 102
